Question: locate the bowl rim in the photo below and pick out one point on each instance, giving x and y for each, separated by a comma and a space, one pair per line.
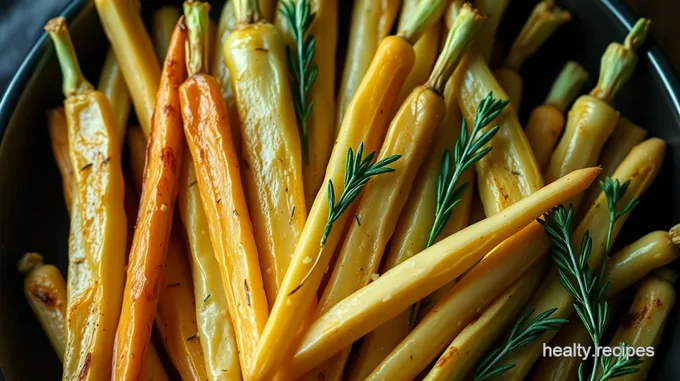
15, 88
622, 13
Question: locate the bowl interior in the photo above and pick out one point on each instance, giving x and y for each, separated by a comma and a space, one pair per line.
34, 218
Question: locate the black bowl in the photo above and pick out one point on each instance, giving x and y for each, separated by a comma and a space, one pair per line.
33, 216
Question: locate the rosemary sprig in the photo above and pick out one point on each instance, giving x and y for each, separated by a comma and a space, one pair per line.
299, 17
522, 333
358, 170
582, 283
467, 151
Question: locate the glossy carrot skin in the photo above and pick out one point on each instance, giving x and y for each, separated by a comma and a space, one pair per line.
271, 151
154, 222
45, 291
58, 130
130, 41
217, 170
509, 172
320, 137
97, 238
175, 317
371, 23
366, 121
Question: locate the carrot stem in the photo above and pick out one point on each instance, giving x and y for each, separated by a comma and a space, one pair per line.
74, 81
197, 48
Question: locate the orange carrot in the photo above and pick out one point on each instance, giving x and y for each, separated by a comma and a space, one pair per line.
154, 222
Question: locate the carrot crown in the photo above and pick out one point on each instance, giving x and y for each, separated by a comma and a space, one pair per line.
542, 23
619, 61
675, 235
567, 85
73, 80
197, 20
460, 37
426, 14
29, 262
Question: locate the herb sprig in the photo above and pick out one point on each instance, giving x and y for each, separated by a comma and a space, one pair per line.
522, 333
358, 170
467, 151
582, 283
299, 17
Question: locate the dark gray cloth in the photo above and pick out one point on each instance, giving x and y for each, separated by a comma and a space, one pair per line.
21, 24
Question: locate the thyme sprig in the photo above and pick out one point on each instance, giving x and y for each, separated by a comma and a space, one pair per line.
358, 170
298, 16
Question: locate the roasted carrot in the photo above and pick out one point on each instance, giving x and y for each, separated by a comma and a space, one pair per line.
509, 172
112, 84
97, 237
175, 314
642, 328
154, 222
423, 273
626, 135
371, 23
592, 119
318, 138
131, 43
472, 342
215, 329
58, 130
217, 171
45, 290
425, 48
546, 121
409, 135
271, 151
493, 10
641, 167
365, 122
545, 18
218, 68
163, 22
411, 235
500, 268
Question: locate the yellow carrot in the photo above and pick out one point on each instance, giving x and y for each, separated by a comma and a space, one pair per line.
271, 151
509, 172
409, 136
371, 23
319, 137
131, 43
423, 273
546, 121
545, 18
642, 328
365, 122
472, 342
45, 290
592, 119
641, 167
97, 236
